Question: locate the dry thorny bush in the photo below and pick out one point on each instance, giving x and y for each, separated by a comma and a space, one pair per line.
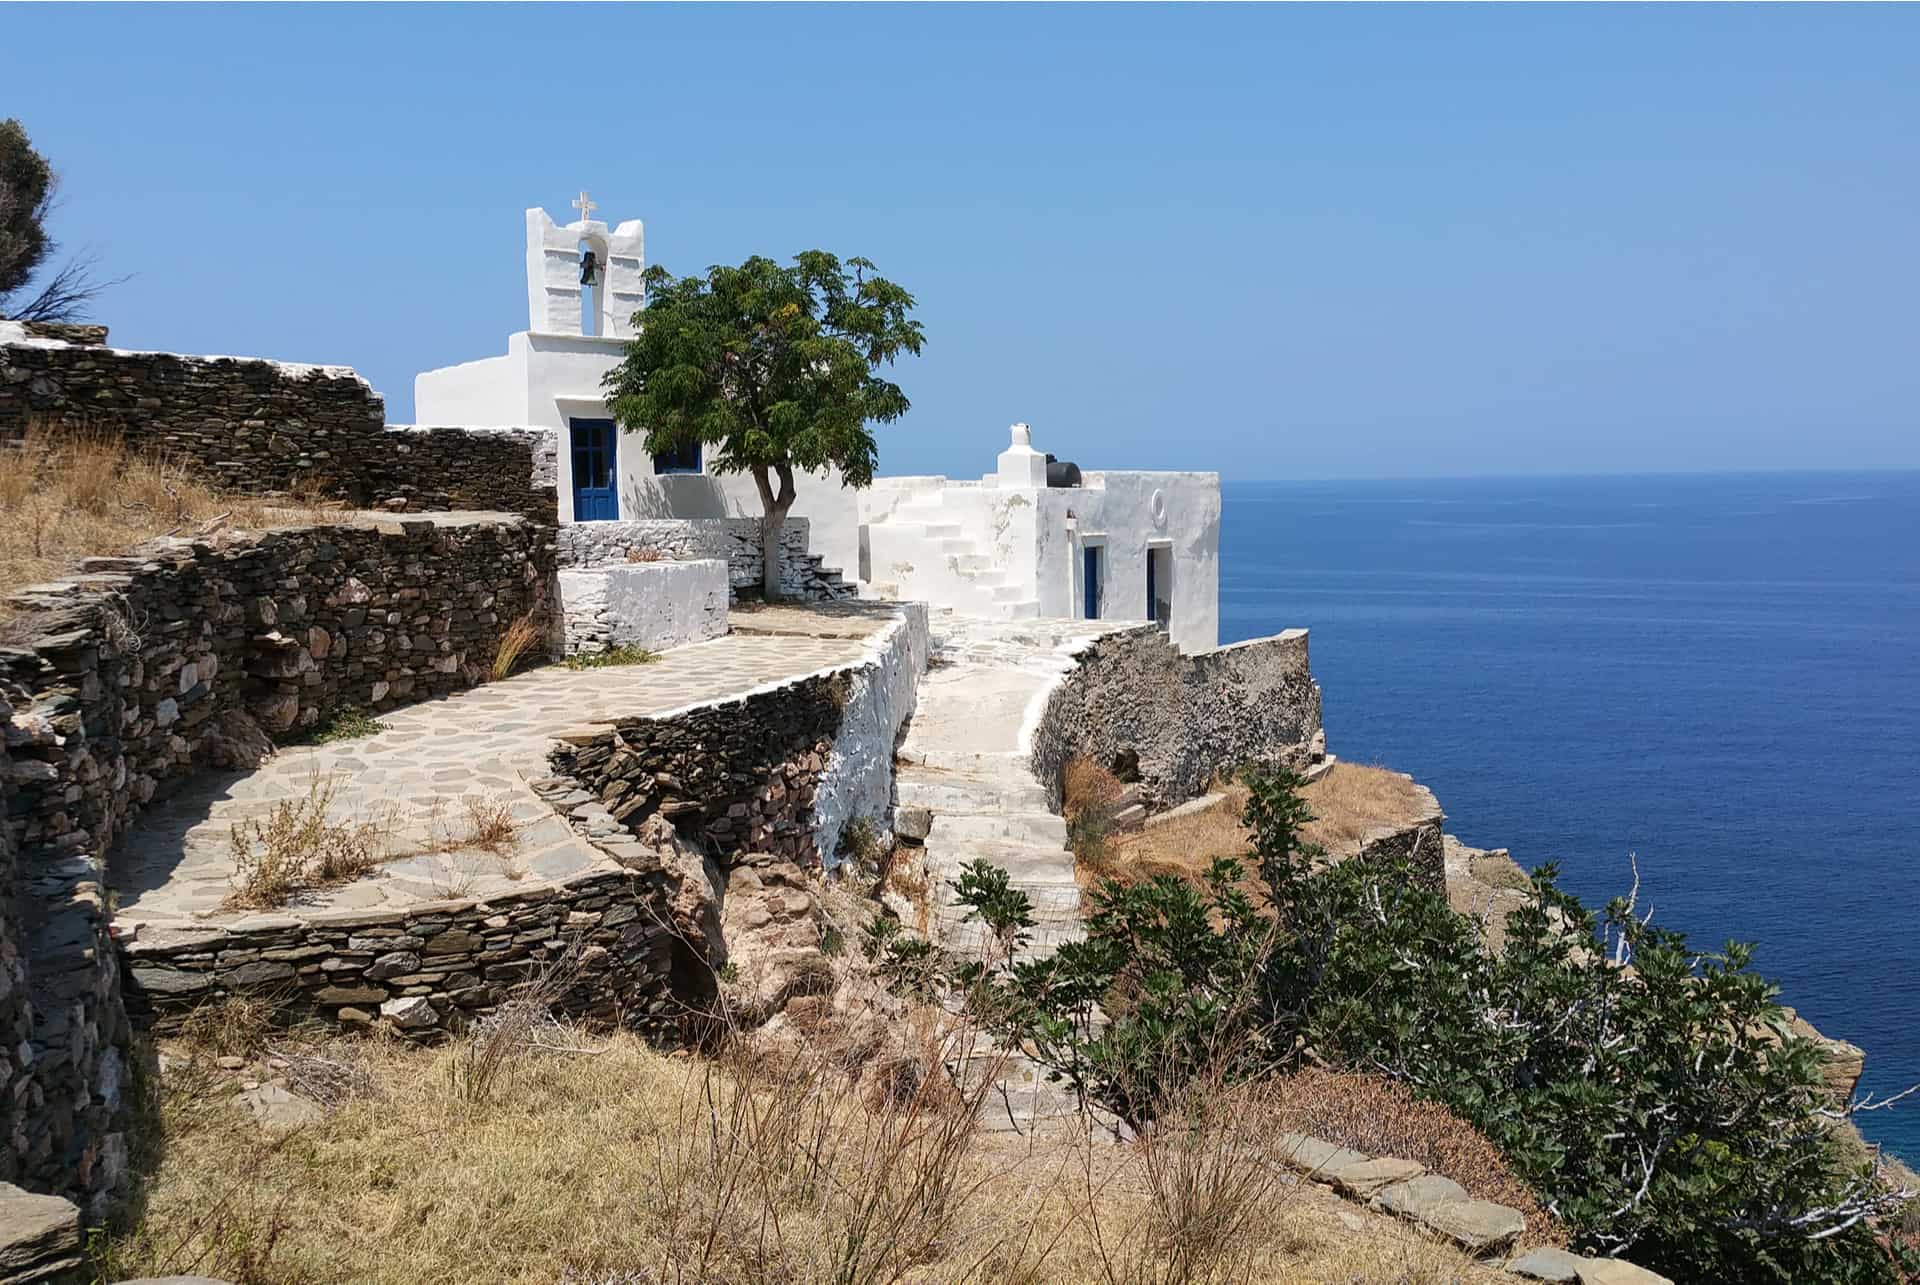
1383, 1117
300, 845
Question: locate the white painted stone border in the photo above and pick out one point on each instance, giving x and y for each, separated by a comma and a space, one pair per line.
884, 687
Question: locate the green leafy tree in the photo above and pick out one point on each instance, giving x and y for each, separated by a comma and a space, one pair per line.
1650, 1093
774, 368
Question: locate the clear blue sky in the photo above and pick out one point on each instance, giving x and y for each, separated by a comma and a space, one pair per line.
1279, 242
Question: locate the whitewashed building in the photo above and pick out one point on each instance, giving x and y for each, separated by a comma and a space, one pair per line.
1110, 545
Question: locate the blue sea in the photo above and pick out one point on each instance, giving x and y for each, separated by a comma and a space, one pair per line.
1720, 674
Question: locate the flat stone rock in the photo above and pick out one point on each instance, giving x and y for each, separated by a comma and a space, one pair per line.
1362, 1180
913, 823
39, 1236
1547, 1265
1312, 1155
275, 1108
410, 1013
1475, 1225
1411, 1198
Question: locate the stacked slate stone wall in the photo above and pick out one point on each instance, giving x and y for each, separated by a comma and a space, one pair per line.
64, 1038
179, 657
739, 776
736, 541
1136, 703
1419, 844
254, 425
146, 669
435, 967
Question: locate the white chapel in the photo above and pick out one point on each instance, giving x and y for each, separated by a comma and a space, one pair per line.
1031, 538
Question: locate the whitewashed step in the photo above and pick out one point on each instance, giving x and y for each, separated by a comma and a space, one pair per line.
1038, 828
961, 796
1027, 863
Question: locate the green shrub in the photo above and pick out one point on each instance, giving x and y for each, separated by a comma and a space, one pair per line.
1661, 1111
348, 723
622, 655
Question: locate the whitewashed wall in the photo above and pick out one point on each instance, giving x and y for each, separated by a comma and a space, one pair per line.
858, 780
655, 605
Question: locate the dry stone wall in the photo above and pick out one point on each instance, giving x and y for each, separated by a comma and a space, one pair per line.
1136, 703
149, 668
735, 541
256, 425
179, 657
739, 776
64, 1038
437, 967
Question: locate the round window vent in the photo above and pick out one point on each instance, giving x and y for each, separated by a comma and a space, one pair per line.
1160, 508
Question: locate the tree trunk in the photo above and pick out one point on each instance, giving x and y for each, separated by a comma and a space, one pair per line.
772, 527
773, 524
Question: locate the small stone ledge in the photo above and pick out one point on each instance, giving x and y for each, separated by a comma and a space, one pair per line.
1442, 1206
39, 1237
429, 969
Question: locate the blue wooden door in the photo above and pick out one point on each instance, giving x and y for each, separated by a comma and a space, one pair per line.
596, 497
1090, 576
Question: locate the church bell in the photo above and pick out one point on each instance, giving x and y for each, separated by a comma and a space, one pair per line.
589, 268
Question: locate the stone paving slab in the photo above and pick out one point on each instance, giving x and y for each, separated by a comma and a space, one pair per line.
414, 781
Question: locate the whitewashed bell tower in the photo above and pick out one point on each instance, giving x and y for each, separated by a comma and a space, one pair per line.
569, 293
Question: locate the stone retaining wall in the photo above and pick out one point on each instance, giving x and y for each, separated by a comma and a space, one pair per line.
1184, 719
655, 605
178, 657
881, 693
779, 772
150, 668
64, 1039
435, 967
735, 541
1420, 843
738, 776
255, 425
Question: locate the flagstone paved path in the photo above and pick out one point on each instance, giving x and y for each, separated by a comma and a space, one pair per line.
174, 869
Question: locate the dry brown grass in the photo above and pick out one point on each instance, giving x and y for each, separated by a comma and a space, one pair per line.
1089, 797
1382, 1117
232, 1026
1187, 845
621, 1164
70, 494
1353, 798
518, 642
1350, 800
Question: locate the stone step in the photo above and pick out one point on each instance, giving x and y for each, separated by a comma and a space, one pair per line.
939, 531
961, 795
1028, 863
971, 762
1042, 829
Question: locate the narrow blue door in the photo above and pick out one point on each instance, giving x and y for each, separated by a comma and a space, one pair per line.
595, 494
1090, 575
1151, 610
